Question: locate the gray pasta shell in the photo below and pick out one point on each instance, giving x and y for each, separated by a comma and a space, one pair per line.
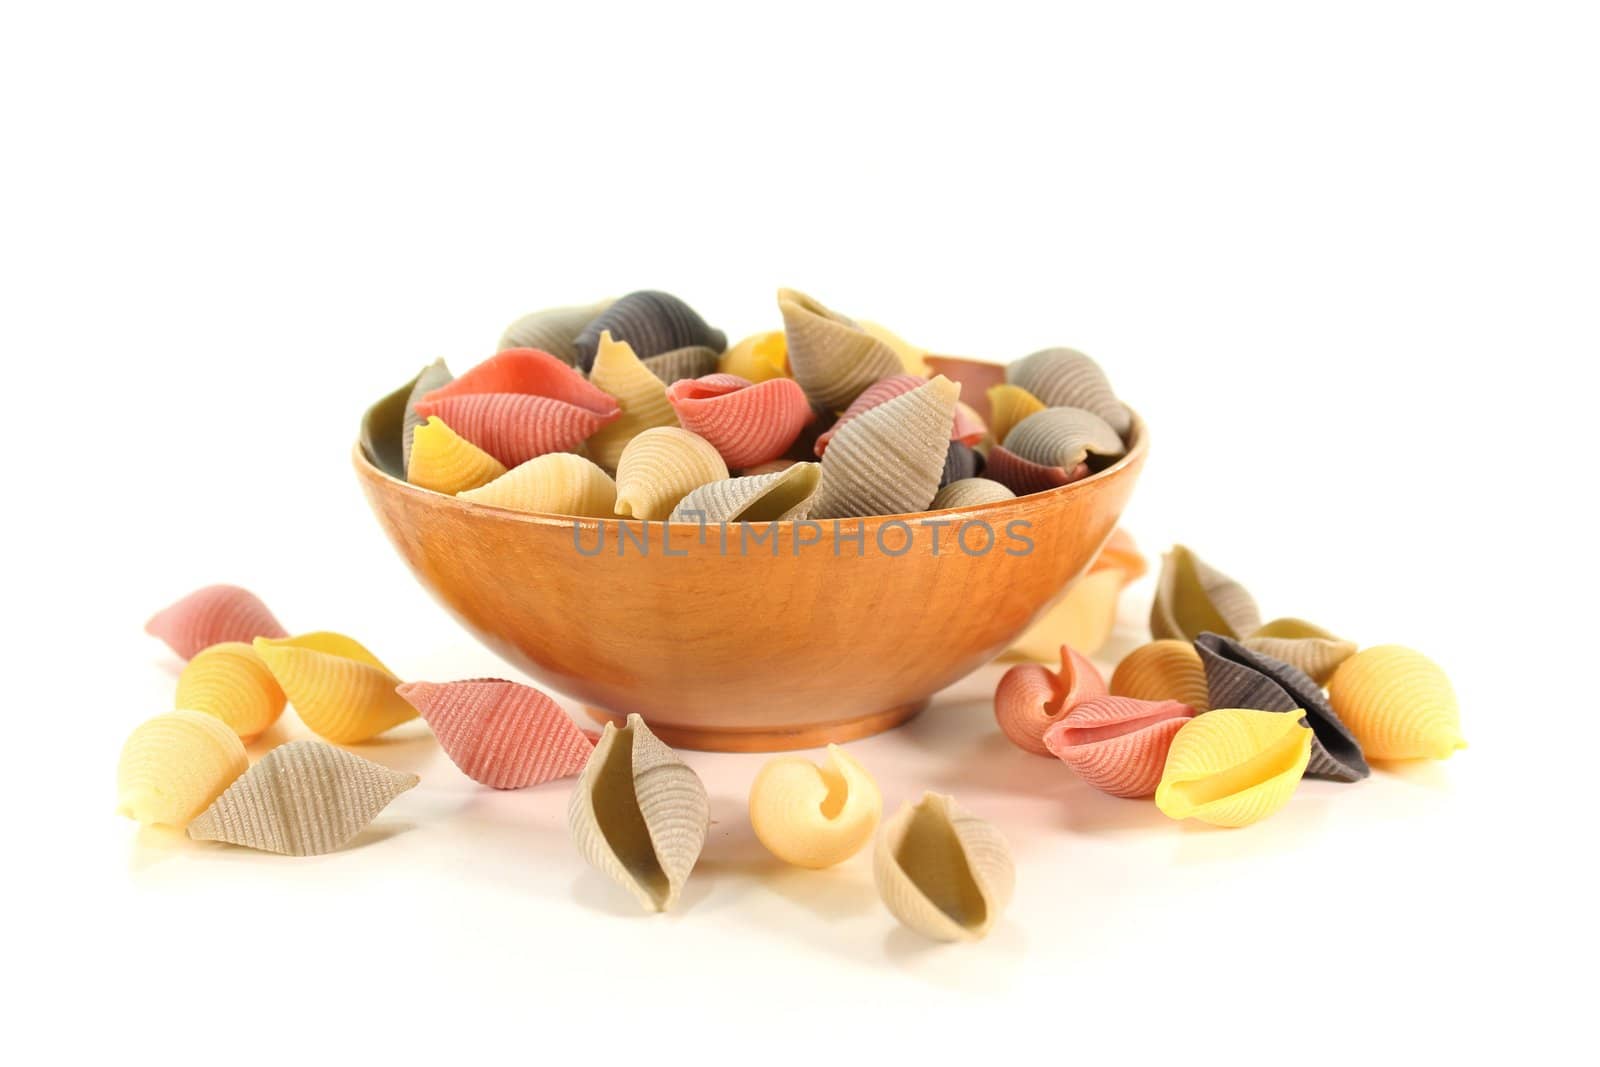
942, 871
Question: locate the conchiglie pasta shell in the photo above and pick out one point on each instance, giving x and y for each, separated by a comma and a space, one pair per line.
552, 330
1233, 766
1162, 670
434, 376
1398, 703
1118, 744
1063, 438
513, 427
889, 460
639, 815
942, 871
211, 616
231, 682
1030, 698
696, 361
831, 357
814, 816
1066, 378
961, 462
505, 735
911, 356
879, 392
651, 322
1023, 476
758, 358
784, 494
342, 691
446, 462
1008, 405
303, 798
176, 764
1297, 642
527, 372
749, 424
1193, 598
640, 394
1083, 618
560, 483
969, 493
662, 466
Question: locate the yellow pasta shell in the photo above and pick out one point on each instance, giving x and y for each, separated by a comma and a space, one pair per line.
912, 357
557, 483
1398, 703
446, 462
662, 466
1234, 766
758, 358
1162, 670
639, 393
1083, 618
231, 682
1008, 405
175, 765
342, 692
814, 816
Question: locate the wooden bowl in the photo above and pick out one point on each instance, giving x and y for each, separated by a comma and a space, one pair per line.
772, 647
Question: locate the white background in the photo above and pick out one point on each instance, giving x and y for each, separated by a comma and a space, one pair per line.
1343, 260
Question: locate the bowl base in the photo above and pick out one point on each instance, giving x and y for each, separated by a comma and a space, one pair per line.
815, 735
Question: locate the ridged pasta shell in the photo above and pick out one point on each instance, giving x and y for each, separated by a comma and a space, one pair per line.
553, 330
696, 361
748, 423
1234, 766
504, 735
662, 466
832, 358
1031, 698
303, 798
1398, 703
210, 616
960, 463
966, 426
1163, 670
969, 493
1237, 677
651, 322
1192, 598
228, 680
911, 356
341, 691
176, 764
1066, 378
1064, 438
434, 376
889, 460
559, 483
1118, 744
1023, 476
942, 871
814, 816
386, 426
758, 358
446, 462
1008, 405
639, 815
782, 494
1297, 642
640, 394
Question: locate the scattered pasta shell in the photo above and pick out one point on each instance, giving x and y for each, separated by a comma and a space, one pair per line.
639, 815
1066, 378
228, 680
176, 764
889, 460
1064, 438
911, 356
505, 735
749, 424
303, 798
942, 871
969, 493
444, 461
211, 616
1233, 766
1118, 744
1023, 476
1237, 677
560, 483
660, 467
1031, 698
814, 816
758, 358
961, 462
342, 691
1398, 703
553, 330
1164, 670
1192, 598
640, 394
783, 494
1008, 405
651, 323
1297, 642
832, 358
696, 361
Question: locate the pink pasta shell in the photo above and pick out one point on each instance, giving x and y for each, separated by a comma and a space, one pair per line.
211, 616
968, 427
1031, 697
749, 424
1118, 744
1023, 476
529, 371
502, 734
